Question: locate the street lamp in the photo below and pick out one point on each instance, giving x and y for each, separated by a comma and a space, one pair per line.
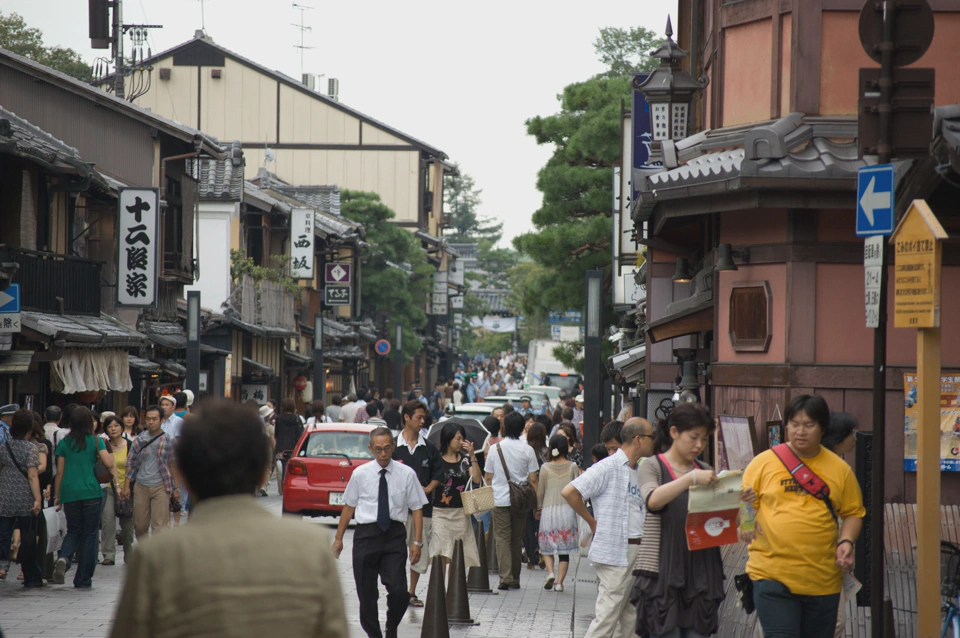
193, 342
669, 91
319, 372
591, 359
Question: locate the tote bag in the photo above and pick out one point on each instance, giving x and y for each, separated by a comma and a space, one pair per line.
477, 500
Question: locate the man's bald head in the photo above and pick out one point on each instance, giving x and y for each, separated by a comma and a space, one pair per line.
635, 426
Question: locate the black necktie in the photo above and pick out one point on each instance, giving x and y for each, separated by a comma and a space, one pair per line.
383, 503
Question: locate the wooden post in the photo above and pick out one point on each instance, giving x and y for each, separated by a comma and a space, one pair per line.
928, 482
917, 243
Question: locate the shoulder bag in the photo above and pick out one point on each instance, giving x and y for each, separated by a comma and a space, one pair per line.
522, 496
99, 469
148, 443
813, 485
15, 461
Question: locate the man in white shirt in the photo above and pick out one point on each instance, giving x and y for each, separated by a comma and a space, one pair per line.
171, 422
380, 494
349, 412
53, 416
617, 530
509, 525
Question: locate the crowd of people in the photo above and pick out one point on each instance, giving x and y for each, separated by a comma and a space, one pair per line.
124, 477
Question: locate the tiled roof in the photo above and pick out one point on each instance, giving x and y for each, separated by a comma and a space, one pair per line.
22, 138
219, 179
80, 331
706, 168
496, 299
325, 199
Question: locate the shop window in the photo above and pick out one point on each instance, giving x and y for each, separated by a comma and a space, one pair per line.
751, 316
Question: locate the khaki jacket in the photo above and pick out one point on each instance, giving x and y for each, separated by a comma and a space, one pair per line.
235, 570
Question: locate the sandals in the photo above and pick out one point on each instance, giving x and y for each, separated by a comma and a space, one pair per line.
415, 602
558, 588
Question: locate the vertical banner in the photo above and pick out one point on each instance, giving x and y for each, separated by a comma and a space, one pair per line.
949, 422
301, 243
137, 247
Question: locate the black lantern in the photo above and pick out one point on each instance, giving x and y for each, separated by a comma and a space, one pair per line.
669, 91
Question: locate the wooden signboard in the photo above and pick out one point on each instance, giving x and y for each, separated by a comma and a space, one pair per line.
916, 282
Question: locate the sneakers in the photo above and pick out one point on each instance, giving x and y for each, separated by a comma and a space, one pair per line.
59, 571
548, 582
558, 588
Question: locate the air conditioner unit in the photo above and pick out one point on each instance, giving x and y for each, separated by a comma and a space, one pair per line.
311, 81
333, 89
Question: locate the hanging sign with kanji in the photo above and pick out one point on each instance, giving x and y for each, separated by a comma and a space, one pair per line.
138, 246
916, 283
301, 243
336, 273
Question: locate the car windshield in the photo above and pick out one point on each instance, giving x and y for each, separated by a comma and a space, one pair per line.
563, 382
552, 393
353, 444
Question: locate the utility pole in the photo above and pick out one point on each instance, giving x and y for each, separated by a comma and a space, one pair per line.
193, 343
117, 39
303, 29
398, 364
319, 371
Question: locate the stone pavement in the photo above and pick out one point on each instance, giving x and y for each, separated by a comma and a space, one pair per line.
60, 611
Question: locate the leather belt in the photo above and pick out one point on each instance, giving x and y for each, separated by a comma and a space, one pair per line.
634, 541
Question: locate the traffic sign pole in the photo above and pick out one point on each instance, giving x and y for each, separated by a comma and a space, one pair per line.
398, 364
319, 371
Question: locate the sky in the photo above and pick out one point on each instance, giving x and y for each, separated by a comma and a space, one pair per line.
463, 77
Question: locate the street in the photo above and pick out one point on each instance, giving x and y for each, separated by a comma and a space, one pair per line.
60, 611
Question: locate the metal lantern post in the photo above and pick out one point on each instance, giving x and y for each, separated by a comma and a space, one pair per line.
319, 372
193, 342
592, 365
669, 91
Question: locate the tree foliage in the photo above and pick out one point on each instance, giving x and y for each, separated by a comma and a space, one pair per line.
573, 225
385, 287
16, 36
462, 201
625, 51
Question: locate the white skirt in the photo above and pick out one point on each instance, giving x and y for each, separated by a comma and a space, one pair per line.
449, 524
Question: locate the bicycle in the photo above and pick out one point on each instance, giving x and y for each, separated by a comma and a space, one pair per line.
950, 589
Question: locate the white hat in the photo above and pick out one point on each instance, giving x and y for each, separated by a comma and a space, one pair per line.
579, 399
189, 394
266, 411
168, 397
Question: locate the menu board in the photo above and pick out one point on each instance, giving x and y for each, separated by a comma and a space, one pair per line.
736, 442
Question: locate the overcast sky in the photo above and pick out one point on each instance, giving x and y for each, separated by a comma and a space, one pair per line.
460, 76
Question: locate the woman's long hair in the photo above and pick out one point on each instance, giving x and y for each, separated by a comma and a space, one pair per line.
684, 417
132, 411
840, 426
81, 425
537, 439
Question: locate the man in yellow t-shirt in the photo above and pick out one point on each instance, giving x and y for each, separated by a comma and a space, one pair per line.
797, 558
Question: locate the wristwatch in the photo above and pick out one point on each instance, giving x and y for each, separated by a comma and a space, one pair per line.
418, 544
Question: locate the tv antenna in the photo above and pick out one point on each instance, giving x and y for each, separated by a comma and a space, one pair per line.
203, 20
303, 29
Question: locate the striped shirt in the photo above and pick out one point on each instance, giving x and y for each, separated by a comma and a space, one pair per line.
607, 485
164, 451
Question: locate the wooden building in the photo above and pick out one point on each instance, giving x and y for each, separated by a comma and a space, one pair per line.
768, 172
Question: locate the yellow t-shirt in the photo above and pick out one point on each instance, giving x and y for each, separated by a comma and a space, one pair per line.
120, 458
799, 541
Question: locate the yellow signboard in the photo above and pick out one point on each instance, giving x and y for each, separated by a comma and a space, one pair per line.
916, 282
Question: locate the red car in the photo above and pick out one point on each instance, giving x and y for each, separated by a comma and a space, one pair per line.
321, 465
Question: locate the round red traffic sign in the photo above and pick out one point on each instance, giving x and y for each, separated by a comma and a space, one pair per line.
382, 347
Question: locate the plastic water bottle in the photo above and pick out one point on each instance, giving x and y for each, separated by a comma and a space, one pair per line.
748, 517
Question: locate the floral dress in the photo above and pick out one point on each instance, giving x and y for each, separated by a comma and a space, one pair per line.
558, 522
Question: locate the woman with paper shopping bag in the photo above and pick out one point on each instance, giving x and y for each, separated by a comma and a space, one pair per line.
677, 592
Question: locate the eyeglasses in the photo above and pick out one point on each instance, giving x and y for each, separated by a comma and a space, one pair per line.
382, 450
806, 426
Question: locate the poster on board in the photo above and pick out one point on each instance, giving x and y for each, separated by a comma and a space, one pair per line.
736, 442
949, 422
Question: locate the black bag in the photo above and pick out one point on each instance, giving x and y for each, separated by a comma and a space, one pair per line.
523, 498
745, 586
122, 507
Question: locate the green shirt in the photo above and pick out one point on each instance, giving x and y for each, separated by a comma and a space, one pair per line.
79, 481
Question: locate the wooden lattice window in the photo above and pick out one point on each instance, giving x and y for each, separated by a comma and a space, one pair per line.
751, 316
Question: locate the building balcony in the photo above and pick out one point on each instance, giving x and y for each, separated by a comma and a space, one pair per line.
54, 283
266, 304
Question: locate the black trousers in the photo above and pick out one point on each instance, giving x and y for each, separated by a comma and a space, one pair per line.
380, 554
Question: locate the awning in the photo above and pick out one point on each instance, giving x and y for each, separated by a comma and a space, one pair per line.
345, 352
630, 363
297, 358
335, 330
85, 370
260, 331
15, 361
699, 318
171, 367
143, 365
258, 367
80, 331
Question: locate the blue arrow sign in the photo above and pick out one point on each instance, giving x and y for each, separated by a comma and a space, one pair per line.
875, 191
10, 300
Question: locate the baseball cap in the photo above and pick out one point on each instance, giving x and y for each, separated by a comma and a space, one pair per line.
9, 409
579, 399
169, 398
